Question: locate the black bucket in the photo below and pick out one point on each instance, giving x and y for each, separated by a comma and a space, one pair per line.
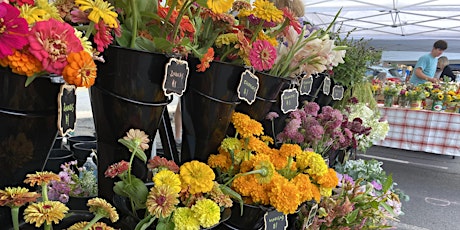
57, 157
83, 150
71, 141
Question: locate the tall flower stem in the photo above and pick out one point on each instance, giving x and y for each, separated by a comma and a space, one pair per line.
45, 192
135, 22
15, 217
261, 171
96, 218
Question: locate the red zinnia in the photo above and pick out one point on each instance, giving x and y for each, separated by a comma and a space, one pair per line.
117, 169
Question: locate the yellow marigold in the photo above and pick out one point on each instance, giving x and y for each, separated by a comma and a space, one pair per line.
266, 139
198, 176
326, 192
81, 70
284, 196
17, 196
290, 150
230, 144
226, 39
168, 177
24, 63
328, 180
184, 219
220, 160
207, 212
303, 183
245, 126
267, 11
40, 178
220, 6
96, 226
101, 207
46, 211
317, 165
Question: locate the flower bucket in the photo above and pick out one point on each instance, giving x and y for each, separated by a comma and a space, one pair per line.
388, 101
127, 94
252, 218
57, 157
437, 106
451, 107
207, 107
28, 118
415, 105
267, 95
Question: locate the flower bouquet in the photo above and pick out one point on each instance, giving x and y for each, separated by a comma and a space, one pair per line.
41, 211
185, 196
283, 178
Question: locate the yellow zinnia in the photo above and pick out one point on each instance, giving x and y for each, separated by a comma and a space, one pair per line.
102, 208
219, 6
168, 177
267, 11
197, 176
184, 219
45, 212
17, 196
32, 14
161, 201
40, 178
99, 9
207, 212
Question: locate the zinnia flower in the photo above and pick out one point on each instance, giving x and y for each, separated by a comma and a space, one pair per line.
162, 163
267, 11
17, 197
262, 55
13, 30
45, 212
81, 69
101, 208
205, 60
95, 226
184, 219
139, 137
117, 169
219, 6
198, 176
40, 178
207, 212
166, 177
162, 200
102, 38
51, 41
99, 9
24, 63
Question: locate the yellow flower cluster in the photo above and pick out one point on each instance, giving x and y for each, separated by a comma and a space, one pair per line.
283, 178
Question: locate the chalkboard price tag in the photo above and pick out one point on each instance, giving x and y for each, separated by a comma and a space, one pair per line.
175, 79
306, 85
326, 85
275, 220
67, 100
337, 92
289, 100
247, 89
311, 215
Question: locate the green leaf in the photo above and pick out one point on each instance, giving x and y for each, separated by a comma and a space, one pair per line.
230, 192
388, 208
131, 146
351, 217
29, 80
165, 225
202, 3
145, 223
388, 183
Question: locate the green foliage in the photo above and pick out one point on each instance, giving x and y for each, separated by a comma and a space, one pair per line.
359, 55
361, 91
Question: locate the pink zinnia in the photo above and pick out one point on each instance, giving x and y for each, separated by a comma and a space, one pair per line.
117, 169
161, 162
262, 55
13, 30
102, 38
51, 41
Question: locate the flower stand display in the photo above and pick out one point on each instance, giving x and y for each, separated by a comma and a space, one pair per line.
207, 106
127, 94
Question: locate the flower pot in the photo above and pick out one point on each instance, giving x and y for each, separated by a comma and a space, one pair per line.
127, 94
57, 157
82, 150
416, 105
252, 218
28, 118
437, 105
71, 141
268, 94
451, 107
207, 108
388, 101
428, 104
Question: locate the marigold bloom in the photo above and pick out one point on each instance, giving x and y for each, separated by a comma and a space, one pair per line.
162, 163
262, 163
101, 207
245, 126
198, 176
99, 9
17, 196
303, 183
167, 177
47, 211
257, 145
262, 55
284, 196
40, 178
96, 226
290, 150
51, 41
162, 201
81, 69
205, 60
13, 30
328, 180
24, 63
267, 11
207, 212
139, 137
219, 6
184, 219
220, 160
117, 169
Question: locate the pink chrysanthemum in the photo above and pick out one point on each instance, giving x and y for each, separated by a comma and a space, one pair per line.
271, 116
13, 30
311, 109
262, 55
51, 41
102, 38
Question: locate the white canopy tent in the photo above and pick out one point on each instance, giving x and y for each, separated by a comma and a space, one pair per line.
404, 30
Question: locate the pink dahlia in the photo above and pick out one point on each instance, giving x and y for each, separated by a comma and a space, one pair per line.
51, 41
262, 55
13, 30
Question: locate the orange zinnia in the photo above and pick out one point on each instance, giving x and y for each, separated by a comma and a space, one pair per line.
205, 60
80, 70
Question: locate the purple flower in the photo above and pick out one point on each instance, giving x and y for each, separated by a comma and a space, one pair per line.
311, 109
376, 185
271, 116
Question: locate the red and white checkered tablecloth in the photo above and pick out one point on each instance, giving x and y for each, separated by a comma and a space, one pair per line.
422, 130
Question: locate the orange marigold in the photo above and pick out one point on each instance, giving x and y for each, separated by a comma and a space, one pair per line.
328, 180
278, 160
221, 161
257, 145
80, 70
303, 183
316, 193
290, 150
284, 195
24, 63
